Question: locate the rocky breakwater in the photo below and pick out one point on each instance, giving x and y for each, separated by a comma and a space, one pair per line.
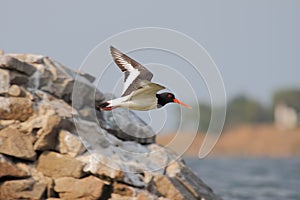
54, 145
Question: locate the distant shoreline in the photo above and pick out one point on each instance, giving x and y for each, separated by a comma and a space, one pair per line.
242, 141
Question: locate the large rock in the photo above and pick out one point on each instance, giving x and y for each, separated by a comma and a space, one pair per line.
56, 165
9, 62
48, 133
10, 169
15, 108
18, 78
22, 189
171, 189
86, 188
69, 144
4, 81
17, 144
70, 85
125, 125
123, 190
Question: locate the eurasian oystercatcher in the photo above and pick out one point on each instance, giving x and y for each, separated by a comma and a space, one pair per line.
138, 92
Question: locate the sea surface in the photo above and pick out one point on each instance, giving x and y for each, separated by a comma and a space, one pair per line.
250, 178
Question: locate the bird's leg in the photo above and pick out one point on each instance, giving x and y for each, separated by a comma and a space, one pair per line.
106, 108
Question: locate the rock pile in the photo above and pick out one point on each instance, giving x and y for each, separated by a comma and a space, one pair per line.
54, 145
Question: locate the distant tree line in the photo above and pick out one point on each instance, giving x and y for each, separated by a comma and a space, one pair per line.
244, 110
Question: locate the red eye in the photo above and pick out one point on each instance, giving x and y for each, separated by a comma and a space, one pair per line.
170, 96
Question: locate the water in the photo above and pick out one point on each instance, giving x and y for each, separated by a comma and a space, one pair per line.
255, 179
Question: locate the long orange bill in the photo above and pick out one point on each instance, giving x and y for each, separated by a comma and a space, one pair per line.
179, 102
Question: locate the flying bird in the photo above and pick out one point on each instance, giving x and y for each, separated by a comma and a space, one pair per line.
139, 93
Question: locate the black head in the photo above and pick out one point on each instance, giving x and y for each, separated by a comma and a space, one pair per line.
166, 97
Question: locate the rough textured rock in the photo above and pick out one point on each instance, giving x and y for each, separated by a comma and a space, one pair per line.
169, 188
125, 125
56, 165
14, 91
54, 145
9, 62
48, 133
17, 144
4, 81
123, 190
18, 78
22, 189
69, 144
10, 169
86, 188
15, 108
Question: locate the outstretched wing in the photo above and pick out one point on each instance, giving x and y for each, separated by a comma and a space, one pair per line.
134, 72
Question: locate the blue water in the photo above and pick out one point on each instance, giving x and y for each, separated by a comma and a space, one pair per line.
255, 179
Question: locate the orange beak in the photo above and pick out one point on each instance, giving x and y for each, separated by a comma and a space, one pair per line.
179, 102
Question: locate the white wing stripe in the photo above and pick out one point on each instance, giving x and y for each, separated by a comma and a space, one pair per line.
131, 77
125, 64
118, 101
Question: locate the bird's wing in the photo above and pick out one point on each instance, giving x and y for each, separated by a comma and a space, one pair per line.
146, 89
134, 72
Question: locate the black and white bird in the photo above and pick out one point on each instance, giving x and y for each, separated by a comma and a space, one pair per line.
139, 92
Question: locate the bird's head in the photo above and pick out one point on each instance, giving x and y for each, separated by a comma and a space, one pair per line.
166, 97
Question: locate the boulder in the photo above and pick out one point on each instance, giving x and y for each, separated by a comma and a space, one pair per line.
171, 189
57, 165
125, 125
22, 189
123, 190
69, 144
87, 188
4, 81
17, 144
11, 63
48, 133
18, 78
15, 108
8, 168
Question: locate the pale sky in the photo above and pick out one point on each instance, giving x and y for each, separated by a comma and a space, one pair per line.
255, 44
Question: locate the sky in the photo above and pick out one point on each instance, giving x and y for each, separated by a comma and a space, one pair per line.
255, 44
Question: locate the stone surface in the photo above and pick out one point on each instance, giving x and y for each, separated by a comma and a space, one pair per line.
125, 125
9, 62
86, 188
123, 190
18, 78
17, 144
119, 197
48, 133
14, 91
145, 195
15, 108
69, 144
4, 81
167, 188
95, 166
22, 189
56, 165
28, 58
10, 169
